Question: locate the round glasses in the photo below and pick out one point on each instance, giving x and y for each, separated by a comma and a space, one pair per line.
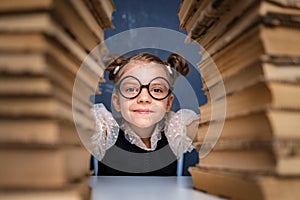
130, 87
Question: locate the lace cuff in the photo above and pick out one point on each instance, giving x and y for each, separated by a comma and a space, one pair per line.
176, 129
106, 130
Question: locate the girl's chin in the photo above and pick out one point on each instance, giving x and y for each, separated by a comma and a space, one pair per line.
143, 123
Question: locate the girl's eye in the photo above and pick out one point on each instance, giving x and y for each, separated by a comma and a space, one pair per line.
131, 89
157, 90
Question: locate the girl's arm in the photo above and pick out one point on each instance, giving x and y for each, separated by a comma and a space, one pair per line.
105, 133
192, 128
181, 128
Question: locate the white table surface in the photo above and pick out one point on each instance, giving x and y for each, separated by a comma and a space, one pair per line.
146, 187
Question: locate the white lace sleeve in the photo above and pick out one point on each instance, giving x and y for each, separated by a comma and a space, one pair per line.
106, 130
176, 130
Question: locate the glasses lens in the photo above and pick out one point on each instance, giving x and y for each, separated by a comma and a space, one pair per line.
159, 88
129, 87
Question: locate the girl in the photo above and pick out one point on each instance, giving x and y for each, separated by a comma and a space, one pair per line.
149, 137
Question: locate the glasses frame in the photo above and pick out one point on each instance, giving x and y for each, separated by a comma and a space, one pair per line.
144, 86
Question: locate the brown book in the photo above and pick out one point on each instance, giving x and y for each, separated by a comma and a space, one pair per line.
43, 23
284, 70
38, 131
44, 107
245, 186
35, 107
288, 3
210, 13
102, 11
50, 5
24, 85
216, 20
18, 86
255, 97
190, 23
265, 42
17, 5
186, 11
45, 58
264, 124
42, 167
59, 69
84, 12
79, 190
257, 157
67, 16
218, 25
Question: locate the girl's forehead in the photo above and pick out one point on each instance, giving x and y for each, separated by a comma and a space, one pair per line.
146, 72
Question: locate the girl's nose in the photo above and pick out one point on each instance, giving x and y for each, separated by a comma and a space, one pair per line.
144, 96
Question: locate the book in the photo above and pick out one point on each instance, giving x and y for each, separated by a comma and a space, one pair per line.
38, 131
281, 70
102, 11
85, 19
78, 190
258, 157
255, 97
265, 42
43, 23
35, 107
222, 22
18, 5
19, 49
235, 185
186, 10
83, 10
265, 124
68, 18
195, 15
61, 70
41, 167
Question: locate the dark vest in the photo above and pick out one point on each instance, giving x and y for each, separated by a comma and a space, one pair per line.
126, 159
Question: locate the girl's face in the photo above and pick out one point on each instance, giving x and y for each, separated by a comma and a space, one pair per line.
143, 111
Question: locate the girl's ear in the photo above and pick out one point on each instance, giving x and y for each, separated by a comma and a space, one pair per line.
116, 102
170, 102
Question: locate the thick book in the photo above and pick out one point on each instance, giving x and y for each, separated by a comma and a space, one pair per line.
268, 43
218, 23
34, 54
236, 185
196, 14
265, 124
83, 14
255, 97
42, 22
38, 131
42, 167
58, 87
102, 11
186, 11
284, 69
78, 190
276, 157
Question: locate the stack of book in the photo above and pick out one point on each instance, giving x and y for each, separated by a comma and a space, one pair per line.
42, 46
256, 48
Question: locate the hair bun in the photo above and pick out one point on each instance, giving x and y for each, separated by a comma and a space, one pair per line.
113, 61
178, 63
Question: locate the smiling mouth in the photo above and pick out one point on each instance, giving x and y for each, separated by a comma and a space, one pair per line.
142, 112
